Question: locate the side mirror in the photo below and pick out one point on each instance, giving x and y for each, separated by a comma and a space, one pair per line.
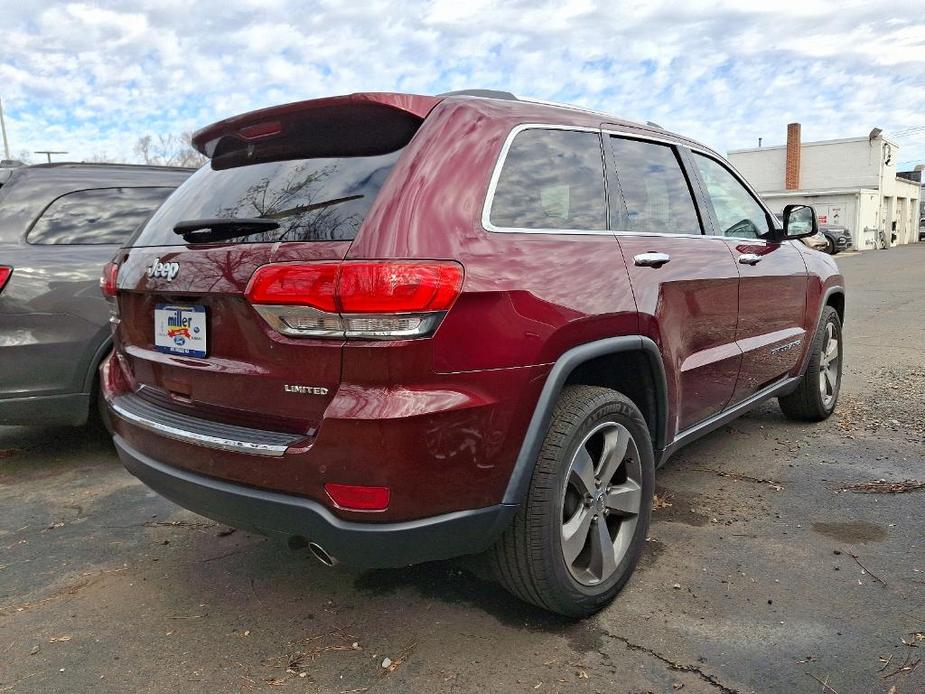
799, 221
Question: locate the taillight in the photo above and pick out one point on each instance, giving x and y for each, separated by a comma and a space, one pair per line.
108, 280
5, 273
360, 299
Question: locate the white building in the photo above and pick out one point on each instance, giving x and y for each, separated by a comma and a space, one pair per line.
850, 182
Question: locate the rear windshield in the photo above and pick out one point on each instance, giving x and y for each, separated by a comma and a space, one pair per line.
318, 199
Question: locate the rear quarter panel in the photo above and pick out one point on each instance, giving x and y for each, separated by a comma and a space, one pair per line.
823, 276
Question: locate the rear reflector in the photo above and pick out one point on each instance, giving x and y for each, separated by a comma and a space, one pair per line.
378, 300
351, 497
108, 280
5, 273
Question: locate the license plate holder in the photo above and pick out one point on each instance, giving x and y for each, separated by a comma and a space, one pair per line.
180, 329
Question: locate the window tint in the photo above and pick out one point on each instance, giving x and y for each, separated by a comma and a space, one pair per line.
319, 199
551, 179
657, 197
100, 216
738, 213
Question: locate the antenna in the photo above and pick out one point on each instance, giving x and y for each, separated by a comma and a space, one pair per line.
6, 144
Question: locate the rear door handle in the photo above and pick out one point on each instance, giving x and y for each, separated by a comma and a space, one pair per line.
651, 259
749, 259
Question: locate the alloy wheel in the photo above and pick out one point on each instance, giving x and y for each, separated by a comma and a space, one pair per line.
602, 502
828, 367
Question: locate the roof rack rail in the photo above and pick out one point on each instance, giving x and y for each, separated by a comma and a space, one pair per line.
484, 93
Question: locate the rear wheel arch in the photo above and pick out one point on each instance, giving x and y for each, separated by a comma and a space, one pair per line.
630, 364
835, 298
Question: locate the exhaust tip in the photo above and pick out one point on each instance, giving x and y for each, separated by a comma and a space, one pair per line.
321, 555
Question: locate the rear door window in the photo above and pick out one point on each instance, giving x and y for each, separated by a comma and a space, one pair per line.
551, 179
96, 217
317, 199
656, 195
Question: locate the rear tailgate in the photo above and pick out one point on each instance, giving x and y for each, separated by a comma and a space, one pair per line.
249, 372
303, 177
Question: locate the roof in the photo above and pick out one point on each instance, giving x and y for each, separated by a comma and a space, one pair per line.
102, 165
60, 178
267, 122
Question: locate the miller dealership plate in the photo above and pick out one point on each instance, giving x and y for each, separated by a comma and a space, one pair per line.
180, 330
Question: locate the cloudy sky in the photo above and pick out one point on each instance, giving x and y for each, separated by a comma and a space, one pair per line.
91, 77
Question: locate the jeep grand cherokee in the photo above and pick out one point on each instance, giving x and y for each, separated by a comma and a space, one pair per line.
405, 328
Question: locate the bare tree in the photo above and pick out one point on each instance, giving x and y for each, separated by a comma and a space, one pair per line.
168, 150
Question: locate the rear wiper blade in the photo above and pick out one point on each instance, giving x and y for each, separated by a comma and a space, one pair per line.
222, 229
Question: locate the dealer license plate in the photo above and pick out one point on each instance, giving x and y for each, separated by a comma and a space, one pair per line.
180, 329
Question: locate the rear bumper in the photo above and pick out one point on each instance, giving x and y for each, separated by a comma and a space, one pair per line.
365, 545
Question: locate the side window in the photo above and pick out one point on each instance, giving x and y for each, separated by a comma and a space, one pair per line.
100, 216
655, 190
551, 179
738, 213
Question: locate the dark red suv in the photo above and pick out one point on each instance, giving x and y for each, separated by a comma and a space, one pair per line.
404, 328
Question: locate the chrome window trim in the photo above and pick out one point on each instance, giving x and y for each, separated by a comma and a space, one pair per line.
496, 175
700, 149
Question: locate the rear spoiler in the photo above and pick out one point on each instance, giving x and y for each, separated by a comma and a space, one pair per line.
361, 124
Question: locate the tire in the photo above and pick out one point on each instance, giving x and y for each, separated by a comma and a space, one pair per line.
809, 402
530, 558
830, 249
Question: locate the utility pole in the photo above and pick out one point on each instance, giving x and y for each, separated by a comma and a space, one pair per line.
6, 144
48, 153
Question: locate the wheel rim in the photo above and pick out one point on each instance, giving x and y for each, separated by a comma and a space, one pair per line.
601, 504
829, 372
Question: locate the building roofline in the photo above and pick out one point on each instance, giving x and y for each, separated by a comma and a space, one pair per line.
816, 191
814, 143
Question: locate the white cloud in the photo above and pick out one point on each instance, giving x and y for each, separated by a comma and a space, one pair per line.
93, 77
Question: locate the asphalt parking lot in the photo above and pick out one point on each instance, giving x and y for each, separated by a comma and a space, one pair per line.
764, 572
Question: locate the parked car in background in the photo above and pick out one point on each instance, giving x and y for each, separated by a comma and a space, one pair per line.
815, 240
59, 225
838, 238
400, 328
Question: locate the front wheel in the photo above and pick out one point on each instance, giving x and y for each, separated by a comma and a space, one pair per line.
815, 397
576, 540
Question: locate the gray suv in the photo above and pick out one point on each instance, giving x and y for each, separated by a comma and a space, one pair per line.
59, 224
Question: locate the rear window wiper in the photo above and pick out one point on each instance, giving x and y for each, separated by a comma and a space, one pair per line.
205, 230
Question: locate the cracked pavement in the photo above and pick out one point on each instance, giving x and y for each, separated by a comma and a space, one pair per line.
748, 583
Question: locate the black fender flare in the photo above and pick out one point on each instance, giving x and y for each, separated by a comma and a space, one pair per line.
561, 369
823, 302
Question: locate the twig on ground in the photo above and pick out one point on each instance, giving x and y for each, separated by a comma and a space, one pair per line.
825, 684
777, 486
858, 561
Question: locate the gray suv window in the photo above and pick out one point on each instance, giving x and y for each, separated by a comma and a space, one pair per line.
655, 191
98, 216
551, 179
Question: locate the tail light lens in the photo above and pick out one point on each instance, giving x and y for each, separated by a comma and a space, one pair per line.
5, 273
108, 280
374, 300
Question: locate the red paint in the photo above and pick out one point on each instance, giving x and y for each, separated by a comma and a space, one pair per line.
439, 421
